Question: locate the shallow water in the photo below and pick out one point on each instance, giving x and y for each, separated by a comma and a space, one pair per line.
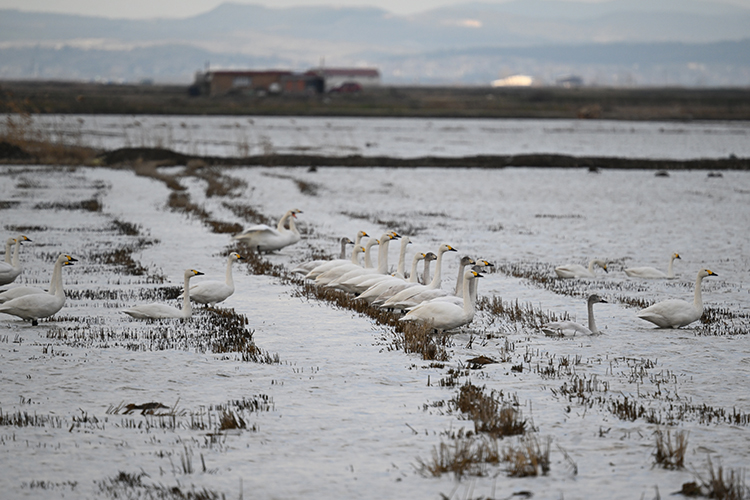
351, 415
401, 137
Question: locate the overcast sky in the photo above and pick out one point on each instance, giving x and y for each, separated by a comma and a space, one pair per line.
185, 8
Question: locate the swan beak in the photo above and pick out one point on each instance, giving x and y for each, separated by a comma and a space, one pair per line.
395, 235
677, 256
240, 257
197, 273
67, 263
711, 273
71, 259
24, 238
451, 249
605, 269
477, 275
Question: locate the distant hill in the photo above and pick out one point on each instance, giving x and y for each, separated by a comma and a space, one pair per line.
694, 42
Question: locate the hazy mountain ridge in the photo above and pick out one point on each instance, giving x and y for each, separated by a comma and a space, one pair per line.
464, 43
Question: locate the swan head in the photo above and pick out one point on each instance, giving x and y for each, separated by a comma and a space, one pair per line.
346, 241
706, 272
293, 212
429, 256
358, 249
22, 238
393, 235
235, 256
362, 234
189, 273
446, 248
596, 299
466, 260
601, 264
484, 264
676, 256
472, 274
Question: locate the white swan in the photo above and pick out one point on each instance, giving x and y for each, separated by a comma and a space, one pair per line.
163, 311
398, 300
212, 292
330, 264
413, 280
359, 284
306, 267
342, 283
480, 267
578, 271
442, 315
338, 271
263, 238
570, 328
652, 272
374, 291
40, 305
9, 270
20, 291
436, 293
675, 313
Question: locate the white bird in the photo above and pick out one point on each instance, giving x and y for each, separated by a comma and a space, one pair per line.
375, 290
413, 280
163, 311
344, 284
338, 271
578, 271
571, 328
306, 267
652, 272
20, 291
435, 293
263, 238
212, 292
480, 267
674, 313
330, 264
442, 315
398, 300
359, 284
9, 270
40, 305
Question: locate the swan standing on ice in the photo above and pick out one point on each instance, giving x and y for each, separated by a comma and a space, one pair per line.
674, 313
20, 291
41, 305
570, 328
263, 238
652, 272
212, 292
442, 315
163, 311
578, 271
9, 270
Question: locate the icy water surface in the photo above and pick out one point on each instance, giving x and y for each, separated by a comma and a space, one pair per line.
402, 137
345, 413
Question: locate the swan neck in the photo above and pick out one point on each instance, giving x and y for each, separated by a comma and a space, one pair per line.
8, 247
187, 308
229, 279
57, 282
293, 226
592, 323
426, 272
413, 274
281, 226
435, 283
459, 284
342, 255
698, 300
591, 266
670, 268
383, 256
402, 258
15, 252
468, 302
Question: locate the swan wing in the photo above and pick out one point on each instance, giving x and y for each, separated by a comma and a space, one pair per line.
572, 271
19, 291
153, 311
671, 313
645, 272
565, 329
441, 315
33, 306
210, 292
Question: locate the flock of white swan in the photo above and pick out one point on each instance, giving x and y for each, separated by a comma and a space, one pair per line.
424, 301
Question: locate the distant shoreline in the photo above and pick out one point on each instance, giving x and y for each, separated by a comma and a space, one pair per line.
606, 103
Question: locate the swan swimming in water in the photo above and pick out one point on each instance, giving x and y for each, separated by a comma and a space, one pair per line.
212, 292
20, 291
652, 272
442, 315
571, 328
163, 311
263, 238
41, 305
10, 269
675, 313
578, 271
